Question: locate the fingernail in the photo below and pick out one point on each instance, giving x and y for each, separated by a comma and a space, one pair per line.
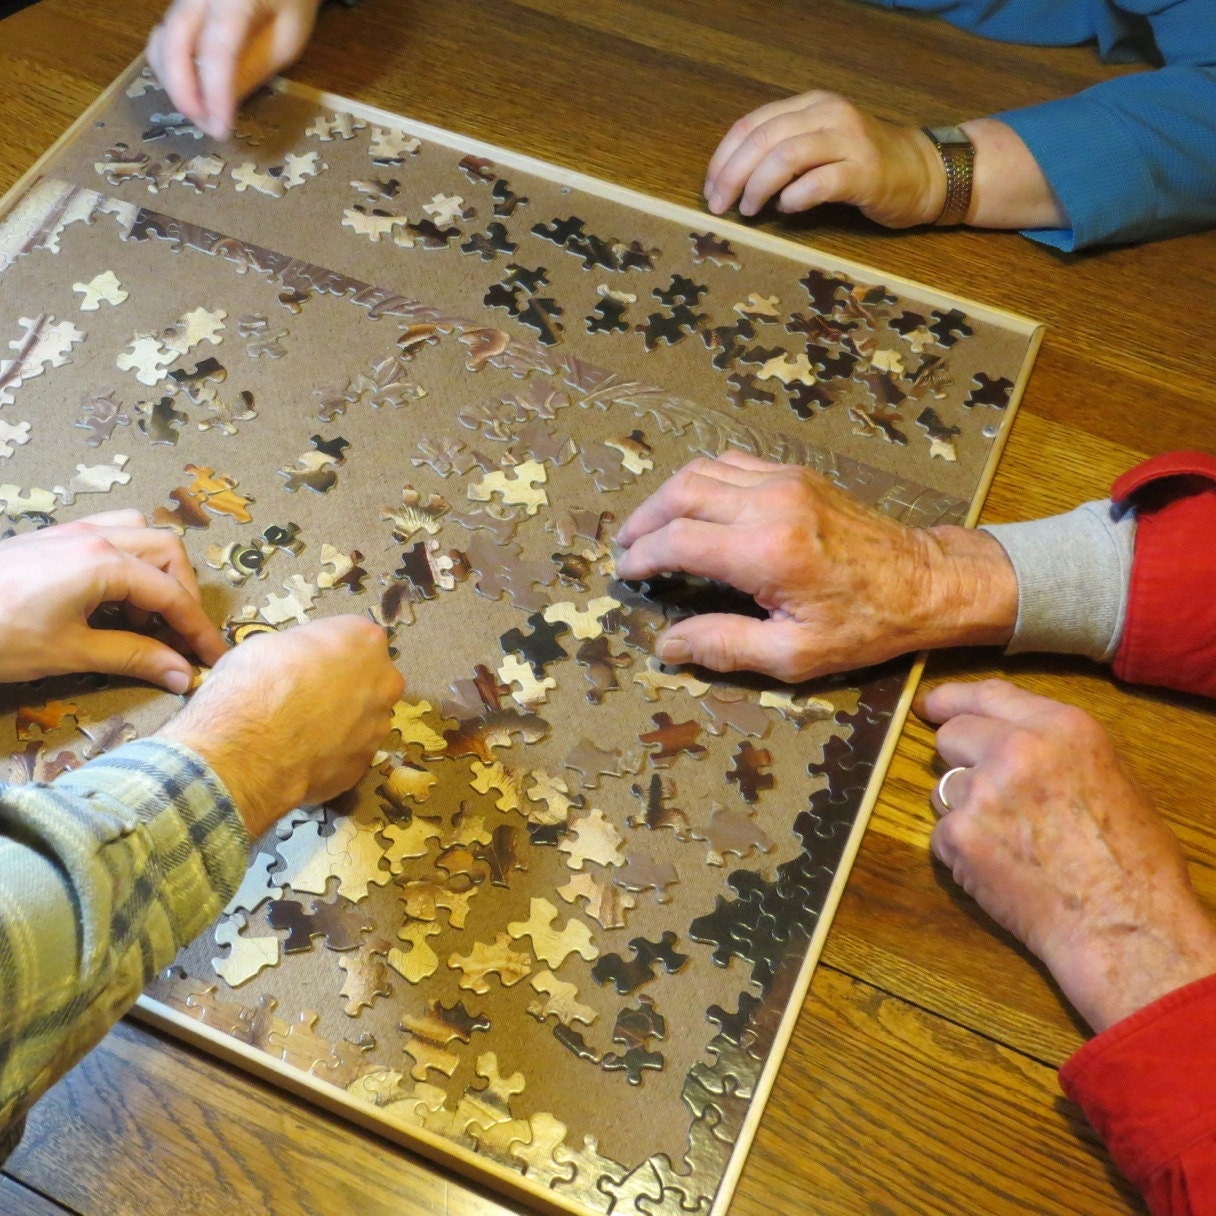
715, 203
674, 650
747, 209
177, 681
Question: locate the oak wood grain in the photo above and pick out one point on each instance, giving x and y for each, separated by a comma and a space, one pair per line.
920, 1078
18, 1200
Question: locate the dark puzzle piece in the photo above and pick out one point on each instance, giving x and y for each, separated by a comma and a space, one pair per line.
608, 316
489, 244
728, 342
680, 290
633, 1030
994, 393
505, 199
949, 327
541, 315
747, 772
530, 280
627, 977
826, 291
339, 922
744, 389
500, 295
560, 231
669, 328
635, 257
540, 647
804, 399
428, 234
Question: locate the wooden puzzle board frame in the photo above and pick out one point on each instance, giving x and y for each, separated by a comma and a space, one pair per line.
947, 494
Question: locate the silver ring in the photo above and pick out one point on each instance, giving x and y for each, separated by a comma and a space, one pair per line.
941, 786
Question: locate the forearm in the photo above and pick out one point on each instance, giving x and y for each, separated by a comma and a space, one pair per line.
1009, 188
106, 874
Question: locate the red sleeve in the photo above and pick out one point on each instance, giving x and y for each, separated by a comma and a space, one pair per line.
1169, 636
1148, 1086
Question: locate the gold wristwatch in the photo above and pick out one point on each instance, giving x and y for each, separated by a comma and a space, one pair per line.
958, 157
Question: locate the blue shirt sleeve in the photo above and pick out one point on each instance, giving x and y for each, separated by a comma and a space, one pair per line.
1131, 159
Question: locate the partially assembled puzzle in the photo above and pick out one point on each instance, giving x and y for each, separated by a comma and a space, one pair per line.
558, 937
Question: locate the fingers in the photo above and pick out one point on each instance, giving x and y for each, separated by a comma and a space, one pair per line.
775, 153
692, 546
160, 548
695, 498
221, 46
124, 517
127, 580
784, 163
987, 698
726, 642
171, 51
700, 490
950, 793
735, 137
132, 654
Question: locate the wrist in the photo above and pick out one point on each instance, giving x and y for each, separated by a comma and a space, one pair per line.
259, 791
1110, 976
969, 596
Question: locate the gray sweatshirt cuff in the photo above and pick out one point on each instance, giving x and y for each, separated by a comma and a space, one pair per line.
1073, 572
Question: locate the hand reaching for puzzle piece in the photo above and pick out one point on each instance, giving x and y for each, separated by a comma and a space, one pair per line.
53, 580
293, 718
209, 54
844, 585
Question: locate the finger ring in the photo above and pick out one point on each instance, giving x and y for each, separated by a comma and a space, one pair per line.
941, 786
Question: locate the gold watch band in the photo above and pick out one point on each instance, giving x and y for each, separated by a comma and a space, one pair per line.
958, 158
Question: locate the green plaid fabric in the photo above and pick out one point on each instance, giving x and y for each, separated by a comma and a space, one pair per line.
104, 875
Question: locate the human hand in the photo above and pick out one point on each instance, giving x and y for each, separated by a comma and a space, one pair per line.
821, 148
293, 718
210, 54
1050, 836
844, 585
53, 580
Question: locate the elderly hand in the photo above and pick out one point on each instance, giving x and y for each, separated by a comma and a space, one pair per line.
53, 580
209, 54
821, 148
293, 718
1047, 832
844, 585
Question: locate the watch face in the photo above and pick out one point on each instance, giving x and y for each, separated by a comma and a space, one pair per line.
948, 135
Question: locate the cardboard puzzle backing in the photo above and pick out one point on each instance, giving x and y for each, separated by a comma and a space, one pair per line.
559, 935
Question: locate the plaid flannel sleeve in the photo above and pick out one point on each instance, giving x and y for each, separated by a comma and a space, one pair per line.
104, 874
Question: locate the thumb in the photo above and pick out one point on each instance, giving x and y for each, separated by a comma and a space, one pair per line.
128, 654
728, 642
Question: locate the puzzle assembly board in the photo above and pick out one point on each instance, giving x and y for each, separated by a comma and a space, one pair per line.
559, 935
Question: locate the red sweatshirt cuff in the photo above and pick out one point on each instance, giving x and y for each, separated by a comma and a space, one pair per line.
1148, 1086
1169, 636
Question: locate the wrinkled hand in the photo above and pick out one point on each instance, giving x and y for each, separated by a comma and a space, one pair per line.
293, 718
820, 148
53, 580
844, 585
210, 54
1051, 837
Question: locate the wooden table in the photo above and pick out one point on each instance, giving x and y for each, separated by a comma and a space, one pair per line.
922, 1075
